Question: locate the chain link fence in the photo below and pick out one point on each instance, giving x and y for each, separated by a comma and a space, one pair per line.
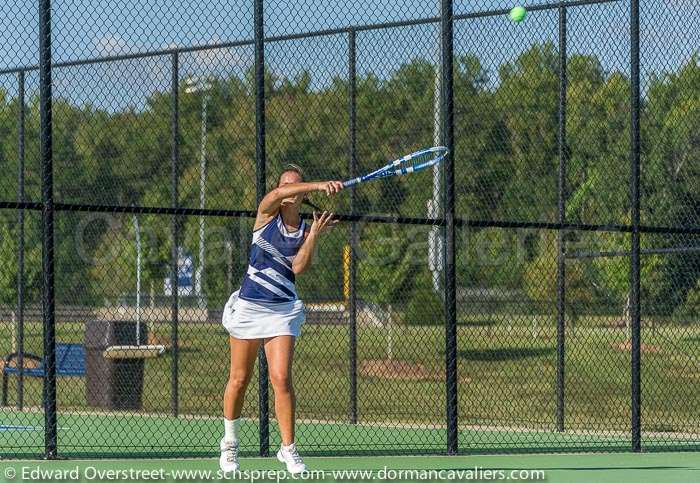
539, 291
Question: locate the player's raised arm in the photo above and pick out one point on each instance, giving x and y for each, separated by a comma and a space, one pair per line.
287, 193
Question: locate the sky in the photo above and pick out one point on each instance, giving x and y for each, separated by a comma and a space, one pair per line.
93, 28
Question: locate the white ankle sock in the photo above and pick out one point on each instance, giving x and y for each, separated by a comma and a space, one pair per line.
231, 428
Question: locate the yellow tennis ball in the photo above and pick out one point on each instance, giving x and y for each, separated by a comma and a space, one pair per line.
518, 13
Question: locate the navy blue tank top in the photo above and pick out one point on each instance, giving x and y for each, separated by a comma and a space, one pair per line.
270, 277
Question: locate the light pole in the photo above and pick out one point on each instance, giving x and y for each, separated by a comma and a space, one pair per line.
203, 85
137, 233
435, 242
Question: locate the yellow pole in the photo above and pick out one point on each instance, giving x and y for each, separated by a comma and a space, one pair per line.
346, 273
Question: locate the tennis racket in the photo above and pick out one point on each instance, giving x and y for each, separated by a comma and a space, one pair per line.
410, 163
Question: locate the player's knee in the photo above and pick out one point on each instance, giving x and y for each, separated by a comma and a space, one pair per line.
237, 381
281, 381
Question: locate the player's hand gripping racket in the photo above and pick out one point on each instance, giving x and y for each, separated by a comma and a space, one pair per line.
410, 163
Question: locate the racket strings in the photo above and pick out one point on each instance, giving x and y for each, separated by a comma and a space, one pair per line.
419, 160
424, 158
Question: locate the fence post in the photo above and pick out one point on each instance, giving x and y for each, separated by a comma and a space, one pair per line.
635, 309
561, 259
175, 232
260, 188
20, 242
446, 23
352, 295
47, 231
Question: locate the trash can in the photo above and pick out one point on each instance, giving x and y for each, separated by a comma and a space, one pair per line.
113, 383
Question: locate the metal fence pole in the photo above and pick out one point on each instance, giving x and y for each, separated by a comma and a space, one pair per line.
175, 232
20, 242
635, 312
447, 21
561, 258
260, 189
354, 233
47, 231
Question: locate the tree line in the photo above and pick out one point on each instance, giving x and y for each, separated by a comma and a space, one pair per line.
506, 160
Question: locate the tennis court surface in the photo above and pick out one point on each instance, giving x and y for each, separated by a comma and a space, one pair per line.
572, 468
109, 434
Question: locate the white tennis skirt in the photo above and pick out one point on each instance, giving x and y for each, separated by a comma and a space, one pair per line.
244, 319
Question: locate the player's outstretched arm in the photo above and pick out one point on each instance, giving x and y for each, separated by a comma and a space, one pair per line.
270, 204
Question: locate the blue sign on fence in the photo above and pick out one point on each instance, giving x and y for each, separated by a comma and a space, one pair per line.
185, 274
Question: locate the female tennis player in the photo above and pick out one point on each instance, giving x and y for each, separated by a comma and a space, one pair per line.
267, 311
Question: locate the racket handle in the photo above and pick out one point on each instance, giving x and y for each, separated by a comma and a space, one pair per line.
351, 182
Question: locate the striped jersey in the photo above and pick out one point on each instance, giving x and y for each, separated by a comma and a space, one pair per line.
270, 277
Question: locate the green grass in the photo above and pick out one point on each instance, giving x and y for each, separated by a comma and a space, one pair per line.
506, 393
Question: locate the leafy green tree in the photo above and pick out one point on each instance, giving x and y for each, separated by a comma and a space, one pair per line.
9, 246
598, 143
689, 310
392, 271
527, 98
506, 157
671, 169
540, 280
482, 146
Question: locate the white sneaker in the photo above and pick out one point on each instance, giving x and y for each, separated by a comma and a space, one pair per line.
228, 461
291, 457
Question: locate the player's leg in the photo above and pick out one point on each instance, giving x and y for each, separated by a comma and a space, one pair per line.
280, 353
243, 353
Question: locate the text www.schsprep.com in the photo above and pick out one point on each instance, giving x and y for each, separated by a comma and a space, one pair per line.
43, 472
